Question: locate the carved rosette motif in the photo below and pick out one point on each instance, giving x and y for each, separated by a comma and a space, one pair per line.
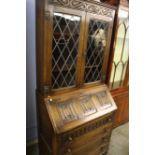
84, 6
93, 9
78, 5
64, 2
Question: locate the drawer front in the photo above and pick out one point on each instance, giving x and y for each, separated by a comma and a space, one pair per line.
101, 137
100, 150
106, 121
87, 136
94, 148
90, 137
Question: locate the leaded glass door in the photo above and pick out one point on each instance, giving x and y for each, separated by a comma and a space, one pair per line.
119, 72
96, 48
66, 47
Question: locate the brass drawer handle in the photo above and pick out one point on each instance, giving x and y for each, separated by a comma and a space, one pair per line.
69, 150
105, 139
109, 119
106, 131
103, 152
70, 138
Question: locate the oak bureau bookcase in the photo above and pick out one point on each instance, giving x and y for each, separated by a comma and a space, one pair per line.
75, 107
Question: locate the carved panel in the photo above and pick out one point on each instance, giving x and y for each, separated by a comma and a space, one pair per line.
80, 107
84, 6
103, 100
68, 109
87, 106
78, 5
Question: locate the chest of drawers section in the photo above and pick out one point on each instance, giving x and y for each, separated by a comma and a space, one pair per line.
91, 139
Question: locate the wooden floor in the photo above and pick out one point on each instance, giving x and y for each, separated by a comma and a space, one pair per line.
119, 144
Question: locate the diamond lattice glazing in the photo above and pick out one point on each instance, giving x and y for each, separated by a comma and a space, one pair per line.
66, 29
95, 50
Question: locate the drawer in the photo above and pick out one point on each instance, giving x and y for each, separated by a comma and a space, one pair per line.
88, 128
100, 150
94, 148
87, 136
85, 139
88, 141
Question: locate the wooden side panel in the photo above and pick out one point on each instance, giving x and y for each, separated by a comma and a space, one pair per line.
112, 2
39, 40
122, 113
42, 46
124, 2
45, 127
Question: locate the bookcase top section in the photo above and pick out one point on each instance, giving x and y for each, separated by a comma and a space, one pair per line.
87, 6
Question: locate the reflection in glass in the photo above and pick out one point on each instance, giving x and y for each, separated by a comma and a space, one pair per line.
95, 50
66, 30
119, 43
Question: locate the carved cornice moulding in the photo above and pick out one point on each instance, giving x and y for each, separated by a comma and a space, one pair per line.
84, 6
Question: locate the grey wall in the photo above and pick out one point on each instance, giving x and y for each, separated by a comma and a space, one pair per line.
31, 121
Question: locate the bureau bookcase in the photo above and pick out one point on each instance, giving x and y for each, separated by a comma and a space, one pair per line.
75, 107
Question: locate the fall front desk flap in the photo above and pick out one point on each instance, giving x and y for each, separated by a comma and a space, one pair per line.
70, 110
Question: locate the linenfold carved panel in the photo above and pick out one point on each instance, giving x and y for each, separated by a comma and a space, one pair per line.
67, 111
81, 107
77, 108
84, 6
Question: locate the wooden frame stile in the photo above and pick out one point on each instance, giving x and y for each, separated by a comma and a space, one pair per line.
90, 16
47, 52
105, 66
39, 42
126, 79
111, 54
83, 54
113, 43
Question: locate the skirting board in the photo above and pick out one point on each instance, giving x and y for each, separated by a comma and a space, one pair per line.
31, 135
31, 142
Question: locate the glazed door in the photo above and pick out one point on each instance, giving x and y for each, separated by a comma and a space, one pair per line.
96, 49
67, 42
119, 72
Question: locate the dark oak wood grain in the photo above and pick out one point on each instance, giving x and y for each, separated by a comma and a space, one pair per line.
121, 98
88, 134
